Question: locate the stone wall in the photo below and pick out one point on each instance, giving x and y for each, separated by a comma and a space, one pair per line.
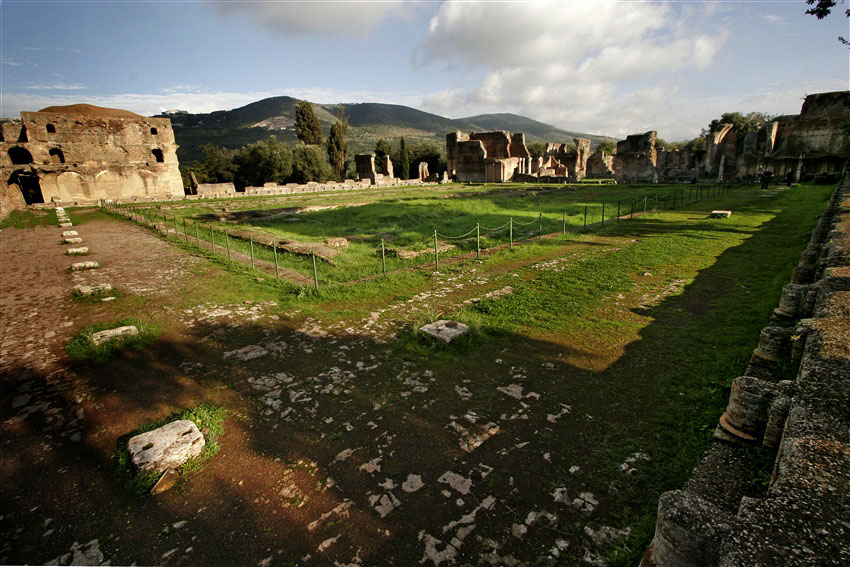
600, 165
84, 153
722, 516
489, 157
636, 159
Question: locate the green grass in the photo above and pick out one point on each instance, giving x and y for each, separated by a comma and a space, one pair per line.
29, 218
208, 416
81, 348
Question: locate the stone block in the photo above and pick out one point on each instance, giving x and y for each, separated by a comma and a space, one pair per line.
69, 233
719, 214
73, 240
87, 290
166, 447
77, 266
102, 336
65, 225
80, 250
445, 330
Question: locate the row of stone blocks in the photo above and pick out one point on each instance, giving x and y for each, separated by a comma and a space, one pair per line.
723, 516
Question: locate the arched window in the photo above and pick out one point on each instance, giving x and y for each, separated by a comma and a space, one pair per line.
157, 153
51, 129
19, 155
57, 155
153, 132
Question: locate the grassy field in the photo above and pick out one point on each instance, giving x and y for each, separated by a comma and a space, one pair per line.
467, 217
628, 334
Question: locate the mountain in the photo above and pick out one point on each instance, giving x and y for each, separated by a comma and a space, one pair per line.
367, 123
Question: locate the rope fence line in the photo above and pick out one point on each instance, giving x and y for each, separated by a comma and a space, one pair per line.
267, 258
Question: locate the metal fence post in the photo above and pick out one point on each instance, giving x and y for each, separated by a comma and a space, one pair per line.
212, 238
644, 204
511, 233
632, 210
252, 252
185, 231
383, 258
585, 218
565, 224
478, 240
315, 273
618, 210
540, 226
436, 253
603, 215
276, 268
227, 243
197, 236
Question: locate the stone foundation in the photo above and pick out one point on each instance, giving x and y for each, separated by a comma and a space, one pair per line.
722, 516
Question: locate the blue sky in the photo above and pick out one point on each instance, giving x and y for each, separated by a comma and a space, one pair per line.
601, 67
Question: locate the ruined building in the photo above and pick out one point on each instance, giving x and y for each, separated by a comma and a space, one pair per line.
83, 153
806, 144
636, 159
573, 159
490, 157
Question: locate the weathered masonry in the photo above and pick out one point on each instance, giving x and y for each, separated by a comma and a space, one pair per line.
83, 153
490, 157
723, 515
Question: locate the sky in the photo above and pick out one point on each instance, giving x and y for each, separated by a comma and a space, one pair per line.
601, 67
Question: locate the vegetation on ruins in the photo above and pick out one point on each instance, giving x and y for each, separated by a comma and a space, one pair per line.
744, 123
404, 159
338, 145
208, 417
81, 348
307, 127
536, 149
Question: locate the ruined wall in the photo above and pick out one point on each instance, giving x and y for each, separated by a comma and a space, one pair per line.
582, 155
489, 157
636, 159
365, 164
453, 139
676, 166
496, 144
722, 516
600, 165
84, 153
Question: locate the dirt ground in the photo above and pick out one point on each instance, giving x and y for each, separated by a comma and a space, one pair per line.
339, 448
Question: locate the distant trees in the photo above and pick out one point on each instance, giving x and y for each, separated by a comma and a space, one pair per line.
268, 160
608, 146
307, 127
404, 159
309, 164
536, 149
382, 149
745, 123
338, 145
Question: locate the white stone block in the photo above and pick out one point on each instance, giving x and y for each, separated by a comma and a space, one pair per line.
73, 241
101, 337
84, 266
80, 250
69, 233
445, 330
166, 447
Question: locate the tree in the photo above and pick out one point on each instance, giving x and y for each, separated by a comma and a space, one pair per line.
608, 146
337, 144
822, 8
428, 152
404, 159
268, 160
745, 123
307, 127
309, 164
382, 149
536, 149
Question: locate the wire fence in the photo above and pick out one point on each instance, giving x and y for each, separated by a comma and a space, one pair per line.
271, 258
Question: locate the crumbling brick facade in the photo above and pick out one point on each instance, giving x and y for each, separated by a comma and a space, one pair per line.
636, 159
84, 153
490, 157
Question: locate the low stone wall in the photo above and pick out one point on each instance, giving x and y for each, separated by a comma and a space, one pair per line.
723, 516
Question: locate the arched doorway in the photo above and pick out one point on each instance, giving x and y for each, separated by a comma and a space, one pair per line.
19, 155
29, 184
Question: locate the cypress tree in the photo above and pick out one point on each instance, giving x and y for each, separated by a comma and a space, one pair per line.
405, 160
337, 145
307, 127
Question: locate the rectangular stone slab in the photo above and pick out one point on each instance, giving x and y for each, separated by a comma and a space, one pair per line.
84, 266
73, 240
69, 233
80, 250
720, 214
445, 330
102, 336
93, 289
166, 447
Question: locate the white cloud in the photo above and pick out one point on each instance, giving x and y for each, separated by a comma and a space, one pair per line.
55, 87
347, 17
608, 67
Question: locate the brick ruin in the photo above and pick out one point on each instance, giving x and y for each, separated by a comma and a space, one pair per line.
83, 153
723, 515
488, 157
806, 144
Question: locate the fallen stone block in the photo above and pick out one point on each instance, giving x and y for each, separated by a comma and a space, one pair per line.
167, 481
337, 242
102, 336
445, 330
73, 240
69, 233
77, 266
80, 250
87, 290
166, 447
720, 214
65, 224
